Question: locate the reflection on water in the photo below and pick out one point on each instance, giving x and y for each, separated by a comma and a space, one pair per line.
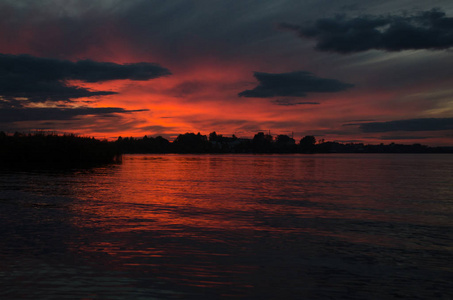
222, 226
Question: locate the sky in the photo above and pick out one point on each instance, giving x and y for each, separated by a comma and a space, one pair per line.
347, 71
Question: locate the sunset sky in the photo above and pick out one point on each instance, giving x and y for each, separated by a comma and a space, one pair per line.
347, 71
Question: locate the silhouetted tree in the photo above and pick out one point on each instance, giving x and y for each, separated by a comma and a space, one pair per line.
307, 144
144, 145
213, 137
262, 143
285, 144
191, 143
162, 145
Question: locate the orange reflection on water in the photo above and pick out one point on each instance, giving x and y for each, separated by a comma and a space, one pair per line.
200, 219
175, 213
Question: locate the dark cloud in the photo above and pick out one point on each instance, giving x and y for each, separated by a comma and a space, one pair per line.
425, 30
203, 122
290, 102
361, 120
427, 124
293, 84
157, 128
188, 88
173, 31
400, 137
45, 79
10, 115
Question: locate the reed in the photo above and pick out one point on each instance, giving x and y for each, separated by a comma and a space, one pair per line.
48, 149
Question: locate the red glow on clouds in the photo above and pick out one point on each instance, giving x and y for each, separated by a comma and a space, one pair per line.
201, 95
205, 100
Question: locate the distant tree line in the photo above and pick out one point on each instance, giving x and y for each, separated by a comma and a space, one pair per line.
70, 150
260, 143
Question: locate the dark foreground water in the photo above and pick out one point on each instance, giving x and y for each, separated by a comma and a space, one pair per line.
231, 226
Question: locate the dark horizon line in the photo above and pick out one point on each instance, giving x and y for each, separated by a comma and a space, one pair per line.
266, 133
50, 150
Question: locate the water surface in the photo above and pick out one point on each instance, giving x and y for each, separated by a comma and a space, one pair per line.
368, 226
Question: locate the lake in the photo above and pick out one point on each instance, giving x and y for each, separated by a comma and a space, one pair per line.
336, 226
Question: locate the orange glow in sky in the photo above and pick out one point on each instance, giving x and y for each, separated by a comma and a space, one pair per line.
239, 70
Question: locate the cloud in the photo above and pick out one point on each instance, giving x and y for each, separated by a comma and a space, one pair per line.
45, 79
10, 115
425, 30
158, 128
146, 28
188, 88
427, 124
289, 102
293, 84
400, 137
